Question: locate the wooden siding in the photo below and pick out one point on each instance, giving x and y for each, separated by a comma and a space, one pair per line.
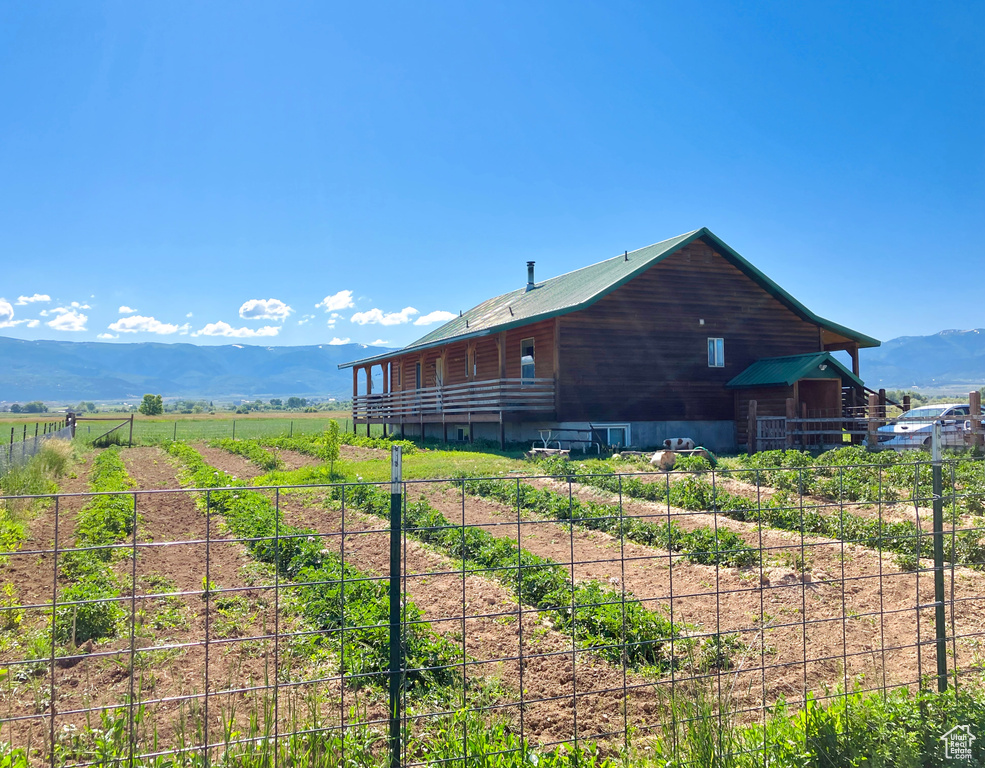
486, 358
640, 353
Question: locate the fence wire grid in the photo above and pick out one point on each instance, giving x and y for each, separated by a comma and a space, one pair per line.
562, 610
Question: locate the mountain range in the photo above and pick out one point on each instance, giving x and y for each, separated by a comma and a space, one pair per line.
945, 360
70, 371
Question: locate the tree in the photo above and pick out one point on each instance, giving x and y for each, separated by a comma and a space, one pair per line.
35, 406
16, 408
277, 402
296, 403
332, 441
152, 405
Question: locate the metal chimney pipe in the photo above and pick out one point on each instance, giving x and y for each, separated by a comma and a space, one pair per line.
530, 275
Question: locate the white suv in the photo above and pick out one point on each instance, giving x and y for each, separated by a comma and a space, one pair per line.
915, 428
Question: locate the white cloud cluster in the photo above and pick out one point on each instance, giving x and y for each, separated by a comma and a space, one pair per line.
264, 309
336, 341
225, 329
141, 324
438, 316
125, 310
378, 317
69, 318
22, 300
305, 319
337, 301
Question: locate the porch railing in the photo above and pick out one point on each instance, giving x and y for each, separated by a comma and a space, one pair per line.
476, 397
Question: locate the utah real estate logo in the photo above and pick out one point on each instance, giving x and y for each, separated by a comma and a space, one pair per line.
957, 743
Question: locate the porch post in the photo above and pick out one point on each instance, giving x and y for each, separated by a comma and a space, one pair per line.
873, 421
975, 401
791, 417
751, 427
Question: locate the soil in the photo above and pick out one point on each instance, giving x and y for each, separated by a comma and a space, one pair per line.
817, 614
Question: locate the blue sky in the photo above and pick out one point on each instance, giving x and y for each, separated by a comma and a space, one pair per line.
309, 173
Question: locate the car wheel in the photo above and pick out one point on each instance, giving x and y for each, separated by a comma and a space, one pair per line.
927, 444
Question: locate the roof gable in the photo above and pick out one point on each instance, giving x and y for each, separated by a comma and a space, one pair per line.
784, 371
583, 287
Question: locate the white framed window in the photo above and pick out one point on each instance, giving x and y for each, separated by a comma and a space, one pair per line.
716, 353
527, 368
613, 435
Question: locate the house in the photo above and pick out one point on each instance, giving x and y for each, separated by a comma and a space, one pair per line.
670, 340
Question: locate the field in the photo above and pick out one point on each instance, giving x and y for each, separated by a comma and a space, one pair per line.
150, 430
227, 602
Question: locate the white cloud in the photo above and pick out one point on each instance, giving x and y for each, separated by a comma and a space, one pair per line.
76, 305
379, 343
190, 314
108, 336
376, 316
22, 300
225, 329
125, 310
305, 319
141, 324
438, 316
6, 311
33, 323
68, 320
340, 300
264, 309
337, 341
183, 330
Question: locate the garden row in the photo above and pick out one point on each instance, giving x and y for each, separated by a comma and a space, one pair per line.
694, 492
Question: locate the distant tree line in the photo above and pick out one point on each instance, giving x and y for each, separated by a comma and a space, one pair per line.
35, 406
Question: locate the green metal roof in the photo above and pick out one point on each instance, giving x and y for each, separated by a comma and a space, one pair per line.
784, 371
583, 287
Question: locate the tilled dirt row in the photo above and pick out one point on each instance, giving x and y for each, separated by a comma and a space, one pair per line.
853, 614
563, 695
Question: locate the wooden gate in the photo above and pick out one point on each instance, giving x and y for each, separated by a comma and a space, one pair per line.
771, 433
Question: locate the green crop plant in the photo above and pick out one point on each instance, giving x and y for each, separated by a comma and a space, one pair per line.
702, 544
697, 493
250, 449
602, 619
90, 607
332, 595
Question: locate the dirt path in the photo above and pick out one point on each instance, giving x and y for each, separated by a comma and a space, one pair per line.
854, 614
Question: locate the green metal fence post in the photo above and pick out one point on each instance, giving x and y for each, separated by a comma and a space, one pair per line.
940, 625
396, 660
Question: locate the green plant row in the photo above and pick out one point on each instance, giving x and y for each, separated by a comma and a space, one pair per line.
601, 618
853, 474
251, 450
315, 445
101, 523
702, 545
332, 595
694, 492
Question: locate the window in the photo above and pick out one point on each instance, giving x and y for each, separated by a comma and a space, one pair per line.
417, 375
612, 435
527, 367
716, 353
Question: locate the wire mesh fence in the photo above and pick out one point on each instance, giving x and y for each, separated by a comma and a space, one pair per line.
19, 451
347, 624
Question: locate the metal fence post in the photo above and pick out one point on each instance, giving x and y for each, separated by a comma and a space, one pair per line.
940, 627
396, 662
